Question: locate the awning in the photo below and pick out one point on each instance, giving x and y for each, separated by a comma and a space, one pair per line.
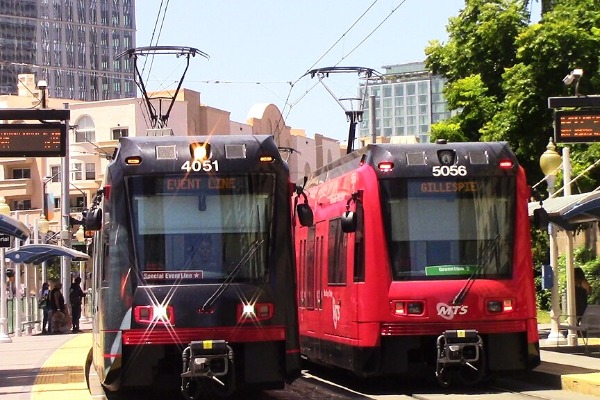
38, 253
568, 211
13, 227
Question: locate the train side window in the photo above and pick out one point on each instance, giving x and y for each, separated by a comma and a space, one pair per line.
104, 262
359, 245
337, 244
310, 269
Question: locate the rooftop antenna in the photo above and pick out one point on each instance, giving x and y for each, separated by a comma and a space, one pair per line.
158, 119
356, 105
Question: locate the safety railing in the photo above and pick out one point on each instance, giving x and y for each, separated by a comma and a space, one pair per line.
32, 314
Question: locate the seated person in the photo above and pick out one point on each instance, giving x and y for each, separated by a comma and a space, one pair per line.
205, 258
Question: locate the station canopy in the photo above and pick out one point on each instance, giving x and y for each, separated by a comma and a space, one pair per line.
13, 227
38, 253
568, 211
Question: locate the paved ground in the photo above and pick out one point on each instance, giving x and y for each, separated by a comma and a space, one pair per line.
52, 367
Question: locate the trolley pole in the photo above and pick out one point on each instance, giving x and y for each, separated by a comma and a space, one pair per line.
372, 122
570, 271
4, 338
550, 161
65, 207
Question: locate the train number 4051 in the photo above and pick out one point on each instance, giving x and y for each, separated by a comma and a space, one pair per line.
198, 166
449, 170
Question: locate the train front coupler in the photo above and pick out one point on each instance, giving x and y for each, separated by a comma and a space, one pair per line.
207, 360
460, 353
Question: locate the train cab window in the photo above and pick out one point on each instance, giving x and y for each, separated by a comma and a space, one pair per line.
449, 229
197, 230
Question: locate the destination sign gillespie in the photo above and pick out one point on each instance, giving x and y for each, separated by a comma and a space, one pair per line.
449, 187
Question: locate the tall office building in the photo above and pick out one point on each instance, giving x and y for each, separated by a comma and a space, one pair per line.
408, 100
71, 44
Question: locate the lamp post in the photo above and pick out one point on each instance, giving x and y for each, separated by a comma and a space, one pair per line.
43, 228
550, 162
4, 338
80, 238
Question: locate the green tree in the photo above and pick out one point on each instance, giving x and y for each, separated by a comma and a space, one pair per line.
501, 70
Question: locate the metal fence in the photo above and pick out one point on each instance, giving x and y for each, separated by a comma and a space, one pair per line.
32, 314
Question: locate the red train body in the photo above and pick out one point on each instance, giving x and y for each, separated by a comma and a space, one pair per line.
419, 255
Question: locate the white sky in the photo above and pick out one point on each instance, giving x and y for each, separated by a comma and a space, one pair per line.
261, 46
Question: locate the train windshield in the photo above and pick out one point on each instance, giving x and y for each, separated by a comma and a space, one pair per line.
197, 229
449, 229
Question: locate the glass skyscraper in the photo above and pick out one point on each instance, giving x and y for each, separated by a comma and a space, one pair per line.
408, 100
71, 44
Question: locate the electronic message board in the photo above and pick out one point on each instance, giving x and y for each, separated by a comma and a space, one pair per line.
33, 140
577, 126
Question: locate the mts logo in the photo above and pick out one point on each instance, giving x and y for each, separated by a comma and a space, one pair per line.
448, 312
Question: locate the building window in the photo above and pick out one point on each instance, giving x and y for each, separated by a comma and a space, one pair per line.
55, 171
21, 205
90, 171
387, 91
86, 130
399, 90
117, 133
79, 202
76, 171
21, 173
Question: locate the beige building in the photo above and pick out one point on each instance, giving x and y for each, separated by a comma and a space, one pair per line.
95, 131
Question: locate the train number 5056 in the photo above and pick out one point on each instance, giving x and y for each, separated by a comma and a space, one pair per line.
449, 170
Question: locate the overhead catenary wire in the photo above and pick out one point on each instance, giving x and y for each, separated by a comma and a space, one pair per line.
361, 42
156, 33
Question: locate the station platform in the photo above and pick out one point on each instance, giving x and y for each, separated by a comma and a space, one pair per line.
46, 366
53, 366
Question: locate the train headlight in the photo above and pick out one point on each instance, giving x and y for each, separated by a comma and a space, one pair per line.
157, 314
498, 306
408, 307
200, 151
385, 166
255, 312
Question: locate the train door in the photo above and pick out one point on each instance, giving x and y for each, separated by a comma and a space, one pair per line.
312, 282
340, 301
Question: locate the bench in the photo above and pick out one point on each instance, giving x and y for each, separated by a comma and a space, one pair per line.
590, 323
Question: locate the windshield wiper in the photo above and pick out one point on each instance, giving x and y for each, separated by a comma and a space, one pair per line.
229, 278
490, 250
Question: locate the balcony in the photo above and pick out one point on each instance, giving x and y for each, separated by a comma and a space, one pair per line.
12, 161
17, 187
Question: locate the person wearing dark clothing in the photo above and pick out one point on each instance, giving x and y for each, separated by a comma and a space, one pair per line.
44, 304
57, 303
75, 298
582, 291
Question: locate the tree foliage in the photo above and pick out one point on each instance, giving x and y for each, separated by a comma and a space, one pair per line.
501, 69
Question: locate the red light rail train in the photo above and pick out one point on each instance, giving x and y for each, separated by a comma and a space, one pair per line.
419, 256
194, 266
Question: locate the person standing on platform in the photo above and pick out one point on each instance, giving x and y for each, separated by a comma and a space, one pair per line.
582, 291
57, 305
75, 298
44, 304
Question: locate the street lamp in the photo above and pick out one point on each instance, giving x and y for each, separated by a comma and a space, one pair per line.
4, 338
43, 227
42, 86
550, 162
